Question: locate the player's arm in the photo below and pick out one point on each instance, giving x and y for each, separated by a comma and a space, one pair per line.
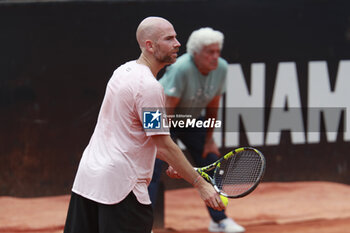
168, 151
211, 112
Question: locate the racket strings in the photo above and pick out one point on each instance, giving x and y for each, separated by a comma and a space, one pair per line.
247, 166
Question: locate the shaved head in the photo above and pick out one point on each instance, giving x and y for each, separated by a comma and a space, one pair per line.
156, 37
150, 29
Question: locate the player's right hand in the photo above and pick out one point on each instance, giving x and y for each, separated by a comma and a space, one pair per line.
209, 195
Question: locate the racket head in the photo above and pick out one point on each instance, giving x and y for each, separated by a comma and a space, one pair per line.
239, 172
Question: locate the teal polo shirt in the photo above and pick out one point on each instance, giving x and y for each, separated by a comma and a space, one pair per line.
183, 80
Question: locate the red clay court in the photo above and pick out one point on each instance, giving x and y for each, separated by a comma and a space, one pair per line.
293, 207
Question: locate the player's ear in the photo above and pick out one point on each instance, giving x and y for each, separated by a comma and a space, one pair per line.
149, 46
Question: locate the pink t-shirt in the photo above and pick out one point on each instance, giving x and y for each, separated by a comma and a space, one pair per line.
120, 155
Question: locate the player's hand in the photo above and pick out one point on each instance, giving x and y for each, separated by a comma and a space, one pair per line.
210, 147
209, 195
172, 173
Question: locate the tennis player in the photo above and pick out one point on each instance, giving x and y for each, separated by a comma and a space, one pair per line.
110, 193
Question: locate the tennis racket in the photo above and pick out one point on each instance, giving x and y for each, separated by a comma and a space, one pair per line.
237, 173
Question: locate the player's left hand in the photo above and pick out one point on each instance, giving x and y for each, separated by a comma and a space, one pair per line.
172, 173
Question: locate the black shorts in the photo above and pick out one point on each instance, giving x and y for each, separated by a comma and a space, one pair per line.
128, 216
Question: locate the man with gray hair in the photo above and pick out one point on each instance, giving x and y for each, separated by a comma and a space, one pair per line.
195, 82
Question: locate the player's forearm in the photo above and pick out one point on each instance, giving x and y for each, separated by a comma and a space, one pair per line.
175, 158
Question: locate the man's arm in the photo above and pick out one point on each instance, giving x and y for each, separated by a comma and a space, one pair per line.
211, 112
168, 151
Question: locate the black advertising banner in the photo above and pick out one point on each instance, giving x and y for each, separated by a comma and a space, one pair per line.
287, 86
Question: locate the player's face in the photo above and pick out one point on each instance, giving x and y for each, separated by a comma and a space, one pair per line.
207, 59
167, 46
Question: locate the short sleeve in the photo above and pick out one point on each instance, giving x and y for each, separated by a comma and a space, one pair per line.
151, 98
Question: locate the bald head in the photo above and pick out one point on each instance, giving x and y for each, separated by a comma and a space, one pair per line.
150, 29
157, 40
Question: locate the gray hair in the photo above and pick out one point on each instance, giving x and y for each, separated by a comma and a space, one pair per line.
203, 37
